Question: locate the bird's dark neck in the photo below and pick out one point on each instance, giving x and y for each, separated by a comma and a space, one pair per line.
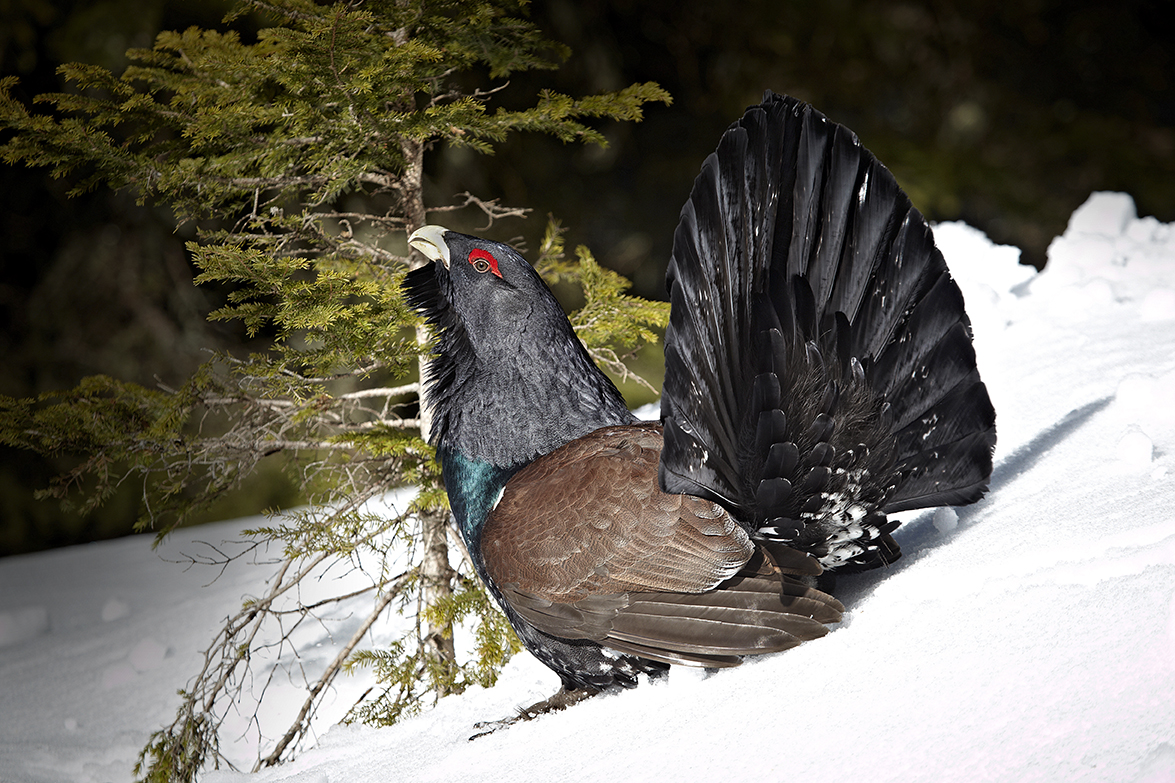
474, 487
511, 407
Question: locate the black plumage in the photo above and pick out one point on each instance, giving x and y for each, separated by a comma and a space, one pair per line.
819, 375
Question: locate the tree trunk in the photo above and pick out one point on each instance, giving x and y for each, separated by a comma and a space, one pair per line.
435, 572
437, 582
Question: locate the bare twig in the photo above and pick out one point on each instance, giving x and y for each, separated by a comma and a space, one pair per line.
301, 724
492, 209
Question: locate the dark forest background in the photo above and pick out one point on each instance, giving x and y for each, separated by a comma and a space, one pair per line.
1005, 115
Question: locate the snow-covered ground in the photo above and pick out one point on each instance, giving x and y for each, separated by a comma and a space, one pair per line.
1030, 637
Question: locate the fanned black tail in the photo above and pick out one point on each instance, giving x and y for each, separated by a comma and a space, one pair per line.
819, 367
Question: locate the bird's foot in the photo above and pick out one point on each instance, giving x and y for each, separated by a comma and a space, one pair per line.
560, 701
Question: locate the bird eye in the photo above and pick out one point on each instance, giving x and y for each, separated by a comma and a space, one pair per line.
483, 262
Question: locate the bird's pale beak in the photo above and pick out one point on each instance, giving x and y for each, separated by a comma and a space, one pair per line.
430, 240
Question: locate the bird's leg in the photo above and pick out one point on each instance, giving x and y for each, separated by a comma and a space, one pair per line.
563, 699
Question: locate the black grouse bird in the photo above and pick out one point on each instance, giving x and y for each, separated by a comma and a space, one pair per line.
819, 374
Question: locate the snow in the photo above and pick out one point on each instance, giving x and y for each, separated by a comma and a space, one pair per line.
1029, 637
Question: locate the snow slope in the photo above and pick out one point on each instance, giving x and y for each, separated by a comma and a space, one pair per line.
1030, 637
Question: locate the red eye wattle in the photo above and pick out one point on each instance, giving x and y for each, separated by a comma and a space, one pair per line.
484, 261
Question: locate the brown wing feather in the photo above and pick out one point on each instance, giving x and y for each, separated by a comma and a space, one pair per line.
745, 616
585, 545
590, 519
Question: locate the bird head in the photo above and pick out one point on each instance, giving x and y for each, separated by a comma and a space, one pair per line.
490, 289
510, 380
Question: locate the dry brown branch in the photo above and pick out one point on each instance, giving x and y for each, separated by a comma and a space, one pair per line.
302, 724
